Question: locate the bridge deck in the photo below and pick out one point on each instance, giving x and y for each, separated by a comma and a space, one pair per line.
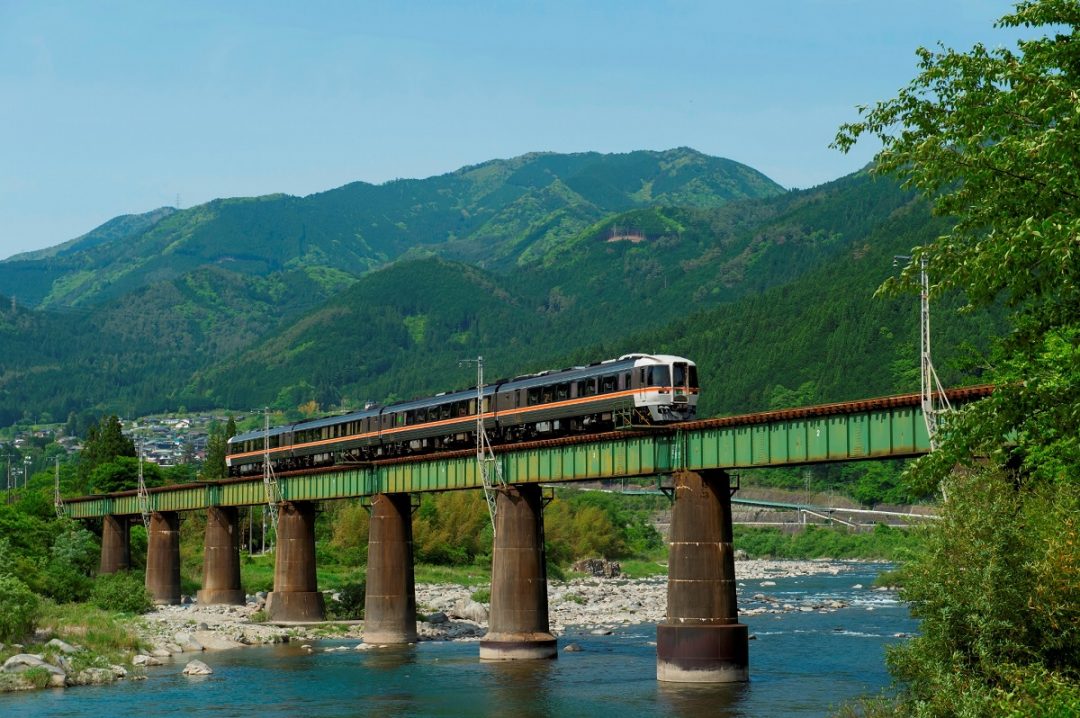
886, 427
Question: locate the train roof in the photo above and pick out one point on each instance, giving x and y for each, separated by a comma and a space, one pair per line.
439, 399
307, 424
574, 373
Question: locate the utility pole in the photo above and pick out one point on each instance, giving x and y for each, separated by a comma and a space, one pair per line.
143, 496
58, 502
485, 457
270, 485
934, 402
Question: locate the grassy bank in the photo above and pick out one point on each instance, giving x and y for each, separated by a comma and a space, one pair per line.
105, 639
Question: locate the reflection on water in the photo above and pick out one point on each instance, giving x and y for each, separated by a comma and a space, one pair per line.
692, 699
520, 688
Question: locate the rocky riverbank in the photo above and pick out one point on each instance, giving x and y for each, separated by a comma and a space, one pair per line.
596, 604
451, 614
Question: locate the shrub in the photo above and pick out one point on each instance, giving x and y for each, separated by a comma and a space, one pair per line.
350, 602
65, 584
18, 609
38, 677
482, 595
72, 558
123, 591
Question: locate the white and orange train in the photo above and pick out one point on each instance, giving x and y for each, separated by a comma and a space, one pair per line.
648, 388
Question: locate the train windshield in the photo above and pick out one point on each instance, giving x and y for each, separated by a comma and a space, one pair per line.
692, 381
679, 375
659, 375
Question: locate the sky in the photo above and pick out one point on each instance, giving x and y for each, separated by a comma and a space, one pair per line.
110, 108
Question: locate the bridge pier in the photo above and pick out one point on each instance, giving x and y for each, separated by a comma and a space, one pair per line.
518, 627
702, 641
296, 595
115, 544
163, 557
221, 558
390, 603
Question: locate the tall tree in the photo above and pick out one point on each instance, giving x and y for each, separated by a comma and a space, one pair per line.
104, 442
217, 447
993, 137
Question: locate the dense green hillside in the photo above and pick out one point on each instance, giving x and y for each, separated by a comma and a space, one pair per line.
485, 214
768, 296
772, 296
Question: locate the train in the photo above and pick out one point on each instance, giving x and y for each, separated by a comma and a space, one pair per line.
634, 389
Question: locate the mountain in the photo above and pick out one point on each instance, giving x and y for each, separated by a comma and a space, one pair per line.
262, 301
489, 214
767, 295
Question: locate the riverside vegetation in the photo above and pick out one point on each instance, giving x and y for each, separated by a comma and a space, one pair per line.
990, 137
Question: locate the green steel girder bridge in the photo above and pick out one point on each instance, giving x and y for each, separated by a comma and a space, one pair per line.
701, 640
881, 428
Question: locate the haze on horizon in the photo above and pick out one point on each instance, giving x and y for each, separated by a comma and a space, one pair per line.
121, 107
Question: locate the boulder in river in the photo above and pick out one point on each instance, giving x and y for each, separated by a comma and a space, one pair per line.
197, 668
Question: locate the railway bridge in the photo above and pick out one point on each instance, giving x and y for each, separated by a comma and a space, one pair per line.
701, 639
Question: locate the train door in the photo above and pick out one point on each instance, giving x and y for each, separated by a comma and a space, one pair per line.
680, 382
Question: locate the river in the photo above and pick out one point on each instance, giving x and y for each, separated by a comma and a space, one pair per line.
801, 664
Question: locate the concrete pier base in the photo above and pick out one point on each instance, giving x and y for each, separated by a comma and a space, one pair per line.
221, 558
702, 641
296, 595
163, 557
115, 544
390, 602
518, 627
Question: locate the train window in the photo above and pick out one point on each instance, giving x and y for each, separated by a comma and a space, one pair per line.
562, 391
433, 413
547, 394
692, 370
534, 396
444, 411
472, 406
487, 404
659, 375
625, 380
679, 374
607, 383
641, 377
400, 418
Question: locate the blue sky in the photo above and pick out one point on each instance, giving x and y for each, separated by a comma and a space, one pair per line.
110, 108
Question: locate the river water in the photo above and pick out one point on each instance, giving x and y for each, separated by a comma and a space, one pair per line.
801, 664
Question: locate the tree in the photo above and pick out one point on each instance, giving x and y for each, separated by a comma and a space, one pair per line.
993, 138
217, 447
122, 474
104, 442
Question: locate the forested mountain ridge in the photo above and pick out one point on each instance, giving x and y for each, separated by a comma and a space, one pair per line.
752, 289
766, 295
485, 214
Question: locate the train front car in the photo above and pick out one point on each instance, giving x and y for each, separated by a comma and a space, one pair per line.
666, 387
